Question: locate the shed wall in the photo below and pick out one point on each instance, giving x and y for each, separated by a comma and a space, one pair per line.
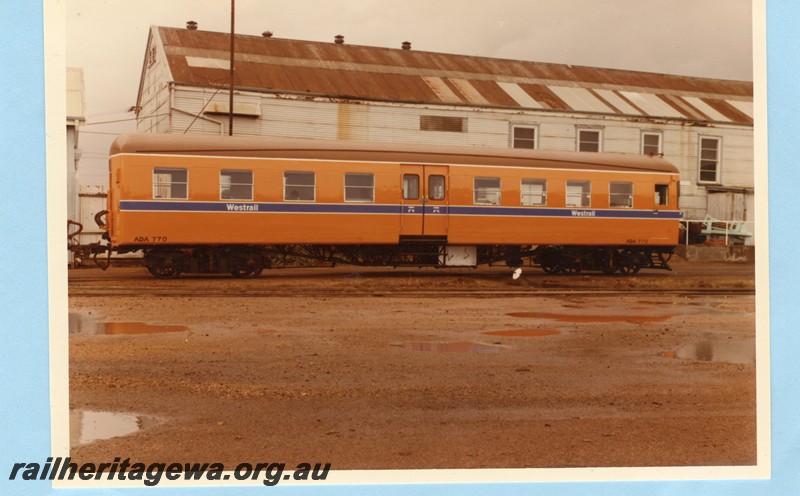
320, 118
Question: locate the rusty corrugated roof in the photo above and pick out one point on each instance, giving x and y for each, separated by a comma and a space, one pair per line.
412, 76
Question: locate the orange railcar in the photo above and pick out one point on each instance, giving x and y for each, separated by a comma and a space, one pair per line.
211, 204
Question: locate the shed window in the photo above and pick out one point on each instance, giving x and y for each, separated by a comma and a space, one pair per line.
359, 187
442, 123
236, 185
299, 186
651, 144
589, 140
709, 160
487, 190
170, 183
579, 194
533, 192
620, 195
524, 137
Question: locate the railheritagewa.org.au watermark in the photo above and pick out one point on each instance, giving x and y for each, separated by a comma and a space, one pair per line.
151, 474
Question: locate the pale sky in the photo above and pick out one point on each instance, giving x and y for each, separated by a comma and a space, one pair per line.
706, 38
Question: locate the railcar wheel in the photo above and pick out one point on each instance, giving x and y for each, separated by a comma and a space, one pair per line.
164, 272
551, 268
608, 263
246, 273
164, 264
247, 264
629, 263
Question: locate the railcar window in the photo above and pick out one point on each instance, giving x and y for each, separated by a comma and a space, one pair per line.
170, 183
436, 187
579, 194
487, 190
236, 185
662, 194
299, 186
620, 195
410, 187
359, 187
533, 192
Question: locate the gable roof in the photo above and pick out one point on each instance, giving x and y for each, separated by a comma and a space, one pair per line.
345, 71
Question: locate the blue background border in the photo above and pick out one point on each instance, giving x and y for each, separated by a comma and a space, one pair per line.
25, 426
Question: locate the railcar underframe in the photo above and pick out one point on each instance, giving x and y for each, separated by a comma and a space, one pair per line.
246, 261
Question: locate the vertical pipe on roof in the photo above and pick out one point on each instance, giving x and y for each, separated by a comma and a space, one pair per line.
171, 105
230, 100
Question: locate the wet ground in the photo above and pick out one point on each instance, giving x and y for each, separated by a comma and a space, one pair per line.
380, 383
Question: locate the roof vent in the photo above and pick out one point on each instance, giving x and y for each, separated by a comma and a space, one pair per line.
338, 39
267, 34
191, 25
406, 45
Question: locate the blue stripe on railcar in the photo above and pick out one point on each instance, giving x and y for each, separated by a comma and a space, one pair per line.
356, 208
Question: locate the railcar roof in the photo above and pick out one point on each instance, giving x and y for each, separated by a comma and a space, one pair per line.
236, 146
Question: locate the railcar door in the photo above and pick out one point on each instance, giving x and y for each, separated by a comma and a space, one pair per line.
424, 200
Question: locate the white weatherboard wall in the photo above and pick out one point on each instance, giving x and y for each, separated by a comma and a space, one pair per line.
328, 118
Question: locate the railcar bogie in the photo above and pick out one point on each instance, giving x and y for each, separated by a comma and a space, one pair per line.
250, 261
239, 261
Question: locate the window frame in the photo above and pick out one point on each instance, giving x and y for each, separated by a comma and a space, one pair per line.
357, 187
405, 190
498, 192
523, 195
313, 186
665, 201
585, 194
171, 183
612, 195
231, 184
431, 188
514, 139
660, 146
579, 141
717, 160
442, 123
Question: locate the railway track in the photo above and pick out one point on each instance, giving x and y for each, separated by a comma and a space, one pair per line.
123, 291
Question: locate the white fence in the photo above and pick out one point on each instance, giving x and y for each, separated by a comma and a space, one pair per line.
726, 232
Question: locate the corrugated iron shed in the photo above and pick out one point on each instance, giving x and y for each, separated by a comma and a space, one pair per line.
354, 72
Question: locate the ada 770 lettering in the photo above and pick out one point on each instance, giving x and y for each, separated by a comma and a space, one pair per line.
150, 239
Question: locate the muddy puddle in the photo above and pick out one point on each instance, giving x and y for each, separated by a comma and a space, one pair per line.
87, 426
87, 324
525, 332
459, 347
715, 351
633, 319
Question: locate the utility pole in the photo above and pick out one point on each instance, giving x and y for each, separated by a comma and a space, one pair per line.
230, 101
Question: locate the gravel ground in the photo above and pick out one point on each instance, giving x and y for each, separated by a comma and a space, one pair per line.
415, 383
